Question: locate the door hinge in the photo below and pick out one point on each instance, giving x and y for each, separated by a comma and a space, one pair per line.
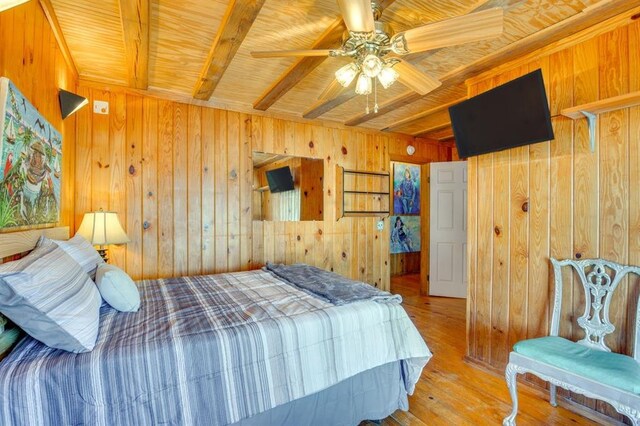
427, 277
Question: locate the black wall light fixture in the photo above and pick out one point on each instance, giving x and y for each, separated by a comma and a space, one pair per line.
70, 102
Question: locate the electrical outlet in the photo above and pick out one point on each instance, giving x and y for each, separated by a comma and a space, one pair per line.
101, 107
380, 225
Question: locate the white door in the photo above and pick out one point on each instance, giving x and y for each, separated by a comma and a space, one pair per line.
448, 229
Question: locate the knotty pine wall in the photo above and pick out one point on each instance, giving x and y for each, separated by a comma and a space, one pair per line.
580, 204
31, 58
181, 178
405, 263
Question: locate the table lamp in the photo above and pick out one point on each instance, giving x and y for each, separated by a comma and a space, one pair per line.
102, 229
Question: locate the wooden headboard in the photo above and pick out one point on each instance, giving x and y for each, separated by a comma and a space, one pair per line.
14, 243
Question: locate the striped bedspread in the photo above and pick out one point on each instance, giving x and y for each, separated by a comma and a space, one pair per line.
208, 350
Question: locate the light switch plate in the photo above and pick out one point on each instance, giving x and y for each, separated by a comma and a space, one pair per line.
101, 107
380, 225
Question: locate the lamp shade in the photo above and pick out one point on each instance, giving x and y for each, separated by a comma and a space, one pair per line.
102, 228
70, 102
8, 4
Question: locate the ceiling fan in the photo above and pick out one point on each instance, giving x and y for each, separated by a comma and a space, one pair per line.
377, 51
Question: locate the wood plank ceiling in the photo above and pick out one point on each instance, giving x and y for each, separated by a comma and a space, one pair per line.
198, 47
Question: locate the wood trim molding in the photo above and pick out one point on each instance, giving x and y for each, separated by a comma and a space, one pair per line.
301, 67
135, 29
233, 29
47, 8
12, 243
602, 17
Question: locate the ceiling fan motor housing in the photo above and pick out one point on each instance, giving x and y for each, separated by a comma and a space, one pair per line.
366, 43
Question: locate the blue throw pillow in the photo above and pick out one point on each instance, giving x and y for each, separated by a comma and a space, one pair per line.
117, 288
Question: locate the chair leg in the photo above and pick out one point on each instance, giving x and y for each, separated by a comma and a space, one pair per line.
510, 375
552, 396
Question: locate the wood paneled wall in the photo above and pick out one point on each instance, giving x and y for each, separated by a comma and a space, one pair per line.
181, 178
31, 58
405, 263
580, 203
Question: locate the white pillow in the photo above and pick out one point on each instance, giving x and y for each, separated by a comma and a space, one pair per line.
117, 288
82, 252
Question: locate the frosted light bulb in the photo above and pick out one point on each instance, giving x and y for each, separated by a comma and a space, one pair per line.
346, 74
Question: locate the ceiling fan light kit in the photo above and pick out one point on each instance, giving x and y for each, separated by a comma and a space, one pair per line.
364, 85
368, 41
347, 73
388, 76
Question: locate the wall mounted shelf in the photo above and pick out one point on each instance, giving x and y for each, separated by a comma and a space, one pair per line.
362, 193
591, 110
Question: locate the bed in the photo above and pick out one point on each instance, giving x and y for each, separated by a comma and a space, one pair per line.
245, 348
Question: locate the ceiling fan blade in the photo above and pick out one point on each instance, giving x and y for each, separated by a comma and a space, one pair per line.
463, 29
415, 79
357, 15
289, 53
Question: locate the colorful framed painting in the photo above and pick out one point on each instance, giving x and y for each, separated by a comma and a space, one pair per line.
406, 189
405, 234
30, 161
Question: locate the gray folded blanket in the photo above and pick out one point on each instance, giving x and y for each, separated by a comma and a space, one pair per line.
330, 286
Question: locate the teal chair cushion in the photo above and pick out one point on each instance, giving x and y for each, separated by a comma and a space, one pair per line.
613, 369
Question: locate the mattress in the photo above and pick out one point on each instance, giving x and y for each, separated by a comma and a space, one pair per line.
209, 350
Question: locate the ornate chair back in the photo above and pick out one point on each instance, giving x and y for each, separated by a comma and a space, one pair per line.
599, 279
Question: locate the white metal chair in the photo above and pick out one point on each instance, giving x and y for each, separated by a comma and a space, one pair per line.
587, 367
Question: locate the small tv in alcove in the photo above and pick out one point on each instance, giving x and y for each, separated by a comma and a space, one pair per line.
280, 180
511, 115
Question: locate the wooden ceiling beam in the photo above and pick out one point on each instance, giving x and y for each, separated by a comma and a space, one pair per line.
418, 118
440, 132
331, 38
134, 15
47, 8
324, 105
571, 27
234, 27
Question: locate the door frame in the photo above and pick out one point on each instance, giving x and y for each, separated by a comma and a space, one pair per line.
424, 219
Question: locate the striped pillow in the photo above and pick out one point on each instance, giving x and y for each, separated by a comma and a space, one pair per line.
82, 252
51, 298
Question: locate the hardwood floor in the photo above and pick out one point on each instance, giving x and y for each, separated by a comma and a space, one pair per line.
453, 392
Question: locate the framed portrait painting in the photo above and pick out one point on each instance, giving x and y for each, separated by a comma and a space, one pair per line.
30, 162
405, 234
406, 189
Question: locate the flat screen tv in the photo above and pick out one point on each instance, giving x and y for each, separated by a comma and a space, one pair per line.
280, 180
514, 114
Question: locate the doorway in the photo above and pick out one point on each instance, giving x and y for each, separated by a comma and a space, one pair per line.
408, 216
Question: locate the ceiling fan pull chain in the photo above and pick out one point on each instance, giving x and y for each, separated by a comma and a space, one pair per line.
367, 108
375, 96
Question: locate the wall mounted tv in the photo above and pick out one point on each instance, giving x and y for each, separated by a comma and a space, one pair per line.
280, 180
514, 114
